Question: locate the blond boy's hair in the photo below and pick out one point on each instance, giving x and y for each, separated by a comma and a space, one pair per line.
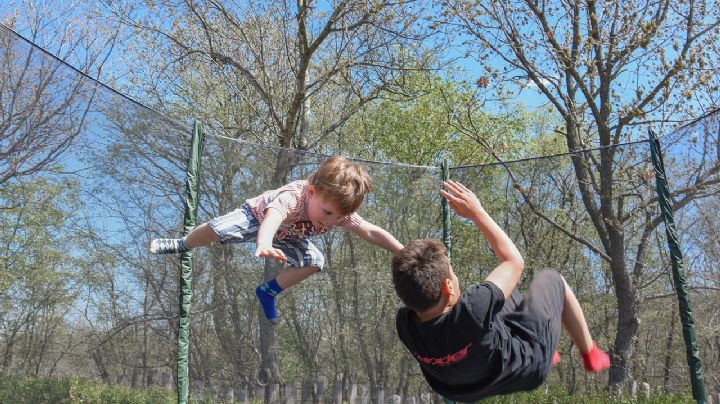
342, 181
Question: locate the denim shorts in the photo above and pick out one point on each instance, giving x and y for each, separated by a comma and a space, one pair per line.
241, 226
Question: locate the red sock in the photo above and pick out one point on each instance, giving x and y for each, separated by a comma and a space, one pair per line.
595, 360
556, 358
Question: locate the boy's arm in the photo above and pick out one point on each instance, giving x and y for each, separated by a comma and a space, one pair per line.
464, 202
378, 236
266, 233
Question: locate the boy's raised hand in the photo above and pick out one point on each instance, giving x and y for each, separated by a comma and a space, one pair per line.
462, 200
270, 252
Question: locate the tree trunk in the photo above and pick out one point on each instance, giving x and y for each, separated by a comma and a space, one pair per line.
268, 338
627, 325
100, 363
225, 321
668, 352
600, 208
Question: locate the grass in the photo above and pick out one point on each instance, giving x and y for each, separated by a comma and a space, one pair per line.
560, 396
78, 390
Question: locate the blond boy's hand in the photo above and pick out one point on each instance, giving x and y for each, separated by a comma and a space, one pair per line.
270, 252
462, 200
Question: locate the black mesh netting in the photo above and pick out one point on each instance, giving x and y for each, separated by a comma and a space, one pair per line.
81, 295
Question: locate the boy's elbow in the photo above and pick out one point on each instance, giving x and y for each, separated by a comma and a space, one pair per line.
519, 263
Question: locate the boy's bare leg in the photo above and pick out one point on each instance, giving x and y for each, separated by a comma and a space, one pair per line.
292, 276
573, 319
201, 236
574, 322
267, 291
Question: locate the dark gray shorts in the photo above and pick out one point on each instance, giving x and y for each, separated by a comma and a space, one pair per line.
542, 305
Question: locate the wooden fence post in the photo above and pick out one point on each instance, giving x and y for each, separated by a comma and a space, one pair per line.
228, 394
306, 392
337, 392
242, 396
274, 393
290, 393
352, 399
166, 381
151, 377
259, 392
364, 394
646, 390
321, 384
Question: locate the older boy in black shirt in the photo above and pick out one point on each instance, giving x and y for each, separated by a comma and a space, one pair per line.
488, 340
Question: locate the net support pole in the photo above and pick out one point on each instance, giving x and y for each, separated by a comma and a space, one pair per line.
686, 316
446, 210
190, 203
445, 172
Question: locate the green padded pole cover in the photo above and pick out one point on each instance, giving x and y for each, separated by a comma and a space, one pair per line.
686, 316
191, 206
446, 210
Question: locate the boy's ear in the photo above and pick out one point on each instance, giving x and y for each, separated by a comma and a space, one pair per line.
447, 288
311, 191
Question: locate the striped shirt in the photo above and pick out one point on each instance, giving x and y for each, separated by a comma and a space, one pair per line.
291, 201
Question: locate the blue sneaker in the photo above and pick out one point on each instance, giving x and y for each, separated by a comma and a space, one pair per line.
267, 301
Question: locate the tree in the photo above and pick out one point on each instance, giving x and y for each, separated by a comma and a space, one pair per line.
301, 69
38, 280
580, 55
41, 112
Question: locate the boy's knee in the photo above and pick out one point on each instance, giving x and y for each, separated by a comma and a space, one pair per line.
318, 262
549, 276
549, 273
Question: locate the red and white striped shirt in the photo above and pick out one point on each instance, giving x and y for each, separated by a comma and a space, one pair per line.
291, 201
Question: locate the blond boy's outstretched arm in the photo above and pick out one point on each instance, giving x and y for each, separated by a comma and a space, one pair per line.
377, 235
267, 230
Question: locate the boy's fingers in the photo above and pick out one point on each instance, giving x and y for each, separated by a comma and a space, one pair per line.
450, 197
468, 190
449, 184
459, 187
452, 192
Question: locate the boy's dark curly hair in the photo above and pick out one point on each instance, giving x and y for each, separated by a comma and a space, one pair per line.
418, 271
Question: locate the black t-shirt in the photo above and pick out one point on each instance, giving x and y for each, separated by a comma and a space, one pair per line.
477, 349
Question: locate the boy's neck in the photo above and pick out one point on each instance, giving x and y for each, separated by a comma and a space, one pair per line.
434, 312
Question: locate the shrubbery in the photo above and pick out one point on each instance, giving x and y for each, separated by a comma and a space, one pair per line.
76, 390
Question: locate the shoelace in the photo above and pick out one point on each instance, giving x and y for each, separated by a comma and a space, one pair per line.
166, 246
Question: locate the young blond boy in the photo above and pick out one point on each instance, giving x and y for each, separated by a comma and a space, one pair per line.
281, 222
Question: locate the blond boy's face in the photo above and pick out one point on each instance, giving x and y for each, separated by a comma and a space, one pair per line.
322, 211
